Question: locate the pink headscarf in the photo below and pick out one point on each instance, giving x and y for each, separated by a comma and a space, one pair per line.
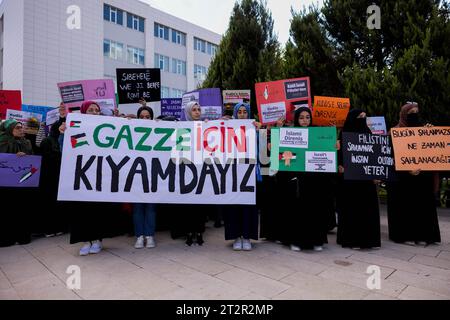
85, 106
404, 114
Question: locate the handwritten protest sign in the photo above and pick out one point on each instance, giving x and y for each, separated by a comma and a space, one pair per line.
210, 101
312, 149
427, 149
19, 172
171, 107
111, 159
277, 99
74, 93
9, 99
329, 111
367, 157
134, 84
30, 121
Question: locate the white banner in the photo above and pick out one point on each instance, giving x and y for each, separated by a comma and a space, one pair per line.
111, 159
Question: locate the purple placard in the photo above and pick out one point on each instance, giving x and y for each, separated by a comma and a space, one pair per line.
171, 107
210, 101
19, 172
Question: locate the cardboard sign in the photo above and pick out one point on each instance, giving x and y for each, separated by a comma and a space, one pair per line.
367, 157
277, 99
312, 149
19, 172
329, 111
426, 149
74, 93
210, 101
377, 125
134, 84
30, 121
111, 159
52, 117
9, 99
171, 107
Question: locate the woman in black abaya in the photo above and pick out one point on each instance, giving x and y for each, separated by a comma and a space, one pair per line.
358, 215
412, 214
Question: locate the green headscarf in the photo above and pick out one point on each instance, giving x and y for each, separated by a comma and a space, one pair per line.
11, 144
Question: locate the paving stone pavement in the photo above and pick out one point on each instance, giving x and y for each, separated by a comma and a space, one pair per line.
173, 271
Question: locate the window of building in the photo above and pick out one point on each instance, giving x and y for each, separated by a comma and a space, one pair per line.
161, 31
178, 37
200, 71
162, 62
200, 45
135, 22
179, 67
113, 50
176, 93
135, 56
112, 14
165, 92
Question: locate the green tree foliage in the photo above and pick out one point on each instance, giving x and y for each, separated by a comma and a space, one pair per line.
408, 59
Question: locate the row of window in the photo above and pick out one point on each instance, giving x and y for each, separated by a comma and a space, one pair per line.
116, 50
167, 92
116, 16
205, 46
170, 65
164, 32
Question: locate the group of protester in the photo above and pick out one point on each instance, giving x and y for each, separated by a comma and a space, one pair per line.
296, 209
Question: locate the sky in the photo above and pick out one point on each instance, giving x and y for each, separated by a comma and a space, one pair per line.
214, 15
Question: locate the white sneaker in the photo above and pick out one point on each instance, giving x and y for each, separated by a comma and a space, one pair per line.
295, 248
96, 247
237, 245
84, 251
139, 242
150, 242
318, 248
246, 245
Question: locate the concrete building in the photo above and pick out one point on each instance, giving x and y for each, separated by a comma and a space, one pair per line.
43, 42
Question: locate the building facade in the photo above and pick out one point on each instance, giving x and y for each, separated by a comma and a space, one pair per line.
46, 42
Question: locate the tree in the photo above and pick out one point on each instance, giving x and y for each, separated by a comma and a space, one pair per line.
249, 51
408, 59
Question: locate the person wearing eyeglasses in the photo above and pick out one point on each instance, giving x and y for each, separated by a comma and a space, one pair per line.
412, 214
15, 226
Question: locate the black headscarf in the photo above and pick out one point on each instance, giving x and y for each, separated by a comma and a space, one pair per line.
297, 116
355, 124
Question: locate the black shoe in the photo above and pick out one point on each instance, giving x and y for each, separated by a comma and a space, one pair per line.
189, 240
200, 239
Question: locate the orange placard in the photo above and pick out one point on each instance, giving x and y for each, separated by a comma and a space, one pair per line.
427, 149
330, 111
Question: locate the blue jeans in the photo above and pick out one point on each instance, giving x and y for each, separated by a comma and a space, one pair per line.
144, 216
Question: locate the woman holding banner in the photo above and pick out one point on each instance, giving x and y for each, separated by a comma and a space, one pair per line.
190, 221
412, 214
15, 225
91, 222
358, 214
241, 221
144, 214
307, 227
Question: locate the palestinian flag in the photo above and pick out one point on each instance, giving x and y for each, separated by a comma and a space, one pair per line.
75, 124
78, 141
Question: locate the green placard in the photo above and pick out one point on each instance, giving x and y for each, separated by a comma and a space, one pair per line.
313, 149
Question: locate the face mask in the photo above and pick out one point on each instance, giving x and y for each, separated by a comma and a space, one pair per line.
413, 120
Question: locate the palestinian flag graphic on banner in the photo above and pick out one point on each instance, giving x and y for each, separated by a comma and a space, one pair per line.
78, 140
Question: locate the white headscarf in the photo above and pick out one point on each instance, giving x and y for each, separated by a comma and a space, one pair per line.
188, 110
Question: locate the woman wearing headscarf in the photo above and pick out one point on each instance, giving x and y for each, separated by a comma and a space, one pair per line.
190, 221
15, 225
358, 214
412, 214
91, 222
241, 221
306, 222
